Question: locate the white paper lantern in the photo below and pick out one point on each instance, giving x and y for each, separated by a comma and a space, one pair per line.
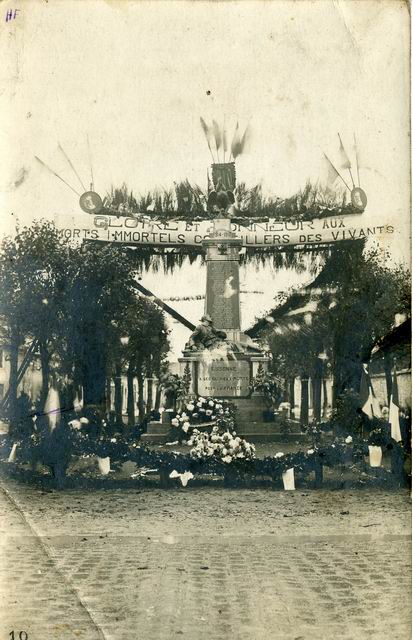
104, 465
375, 456
289, 479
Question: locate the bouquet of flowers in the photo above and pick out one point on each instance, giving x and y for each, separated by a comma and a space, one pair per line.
269, 385
226, 447
204, 410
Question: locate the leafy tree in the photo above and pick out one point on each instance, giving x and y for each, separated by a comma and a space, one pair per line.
32, 286
368, 290
144, 325
100, 291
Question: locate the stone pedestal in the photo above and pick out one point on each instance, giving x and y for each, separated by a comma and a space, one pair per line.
224, 372
158, 432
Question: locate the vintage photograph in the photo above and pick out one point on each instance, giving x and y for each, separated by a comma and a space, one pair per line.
205, 327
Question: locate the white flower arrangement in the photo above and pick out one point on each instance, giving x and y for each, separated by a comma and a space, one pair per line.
279, 454
349, 440
225, 446
84, 420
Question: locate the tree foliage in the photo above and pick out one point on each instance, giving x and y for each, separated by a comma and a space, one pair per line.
362, 292
76, 304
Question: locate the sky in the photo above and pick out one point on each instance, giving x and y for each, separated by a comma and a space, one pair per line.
134, 77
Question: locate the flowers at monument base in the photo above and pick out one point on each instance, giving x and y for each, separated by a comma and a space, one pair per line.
226, 446
204, 410
219, 452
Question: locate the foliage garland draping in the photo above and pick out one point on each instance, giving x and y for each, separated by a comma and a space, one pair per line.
213, 454
189, 202
340, 452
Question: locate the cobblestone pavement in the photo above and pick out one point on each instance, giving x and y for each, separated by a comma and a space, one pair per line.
206, 563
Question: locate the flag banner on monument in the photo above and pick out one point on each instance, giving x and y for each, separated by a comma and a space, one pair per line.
343, 156
394, 410
330, 171
368, 401
271, 233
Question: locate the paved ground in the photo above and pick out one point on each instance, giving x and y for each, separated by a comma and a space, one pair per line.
205, 563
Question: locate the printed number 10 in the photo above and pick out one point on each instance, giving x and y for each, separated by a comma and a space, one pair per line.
22, 635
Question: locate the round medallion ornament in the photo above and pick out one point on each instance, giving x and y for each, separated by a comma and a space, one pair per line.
91, 202
358, 198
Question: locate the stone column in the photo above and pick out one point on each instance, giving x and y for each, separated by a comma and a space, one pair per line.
222, 279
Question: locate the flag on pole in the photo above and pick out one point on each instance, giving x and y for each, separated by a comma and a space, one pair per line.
344, 158
394, 410
331, 173
368, 401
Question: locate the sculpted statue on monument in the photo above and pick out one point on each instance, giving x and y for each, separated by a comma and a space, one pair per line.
221, 201
205, 336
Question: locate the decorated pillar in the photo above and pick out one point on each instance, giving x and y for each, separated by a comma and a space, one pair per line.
222, 279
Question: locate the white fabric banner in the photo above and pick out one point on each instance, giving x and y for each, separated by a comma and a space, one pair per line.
130, 231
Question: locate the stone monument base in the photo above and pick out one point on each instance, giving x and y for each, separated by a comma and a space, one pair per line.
223, 372
252, 426
158, 432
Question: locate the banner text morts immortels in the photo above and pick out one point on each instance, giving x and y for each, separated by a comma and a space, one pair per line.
132, 231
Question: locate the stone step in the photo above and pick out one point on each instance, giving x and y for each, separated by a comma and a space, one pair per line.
154, 438
274, 437
263, 428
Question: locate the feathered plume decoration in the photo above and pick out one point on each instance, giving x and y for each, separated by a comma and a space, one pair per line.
239, 143
236, 147
209, 136
224, 142
218, 137
245, 139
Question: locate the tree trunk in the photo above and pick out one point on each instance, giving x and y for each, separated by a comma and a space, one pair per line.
45, 373
14, 365
317, 390
388, 375
304, 403
118, 393
108, 395
158, 396
67, 396
149, 391
95, 366
292, 397
94, 383
130, 398
325, 397
149, 395
140, 386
